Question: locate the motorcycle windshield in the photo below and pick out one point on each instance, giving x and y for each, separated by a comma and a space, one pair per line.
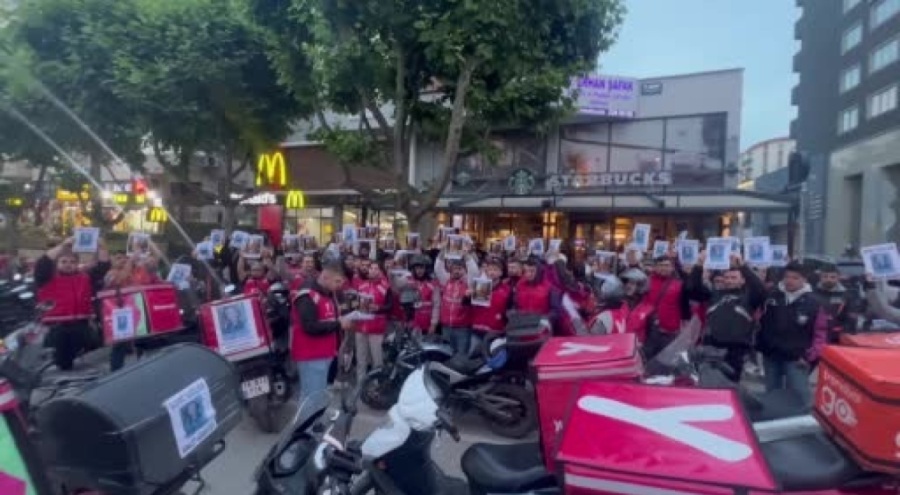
307, 413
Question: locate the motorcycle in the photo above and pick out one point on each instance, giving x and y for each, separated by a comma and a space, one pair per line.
14, 309
495, 383
265, 376
314, 455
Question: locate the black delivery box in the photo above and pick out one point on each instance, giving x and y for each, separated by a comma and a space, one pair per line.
143, 427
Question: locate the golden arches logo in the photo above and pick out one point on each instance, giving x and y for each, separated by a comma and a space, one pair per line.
157, 214
270, 170
295, 200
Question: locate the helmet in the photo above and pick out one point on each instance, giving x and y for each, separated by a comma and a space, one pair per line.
419, 260
635, 275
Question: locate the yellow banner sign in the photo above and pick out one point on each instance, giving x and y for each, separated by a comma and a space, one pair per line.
295, 200
270, 170
64, 195
157, 214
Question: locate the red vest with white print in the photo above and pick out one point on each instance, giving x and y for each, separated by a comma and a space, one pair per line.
453, 312
377, 291
492, 318
306, 347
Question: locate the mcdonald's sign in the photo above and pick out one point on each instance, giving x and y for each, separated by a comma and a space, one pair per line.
270, 170
295, 200
157, 214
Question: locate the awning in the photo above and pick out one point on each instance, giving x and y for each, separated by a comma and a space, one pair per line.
638, 202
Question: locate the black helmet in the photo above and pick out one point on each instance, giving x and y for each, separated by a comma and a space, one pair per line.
419, 260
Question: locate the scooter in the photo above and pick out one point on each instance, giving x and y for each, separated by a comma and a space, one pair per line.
265, 380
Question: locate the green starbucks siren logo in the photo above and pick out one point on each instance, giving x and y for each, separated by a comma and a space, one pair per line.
521, 182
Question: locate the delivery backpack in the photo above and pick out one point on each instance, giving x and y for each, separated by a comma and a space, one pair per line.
730, 322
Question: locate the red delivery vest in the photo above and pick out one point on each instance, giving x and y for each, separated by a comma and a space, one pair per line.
422, 316
533, 297
377, 290
453, 312
257, 287
72, 297
306, 347
492, 318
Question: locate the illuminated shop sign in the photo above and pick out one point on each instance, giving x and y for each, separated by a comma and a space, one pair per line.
609, 179
270, 170
295, 200
261, 199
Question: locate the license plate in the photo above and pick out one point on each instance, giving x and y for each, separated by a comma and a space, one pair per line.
255, 387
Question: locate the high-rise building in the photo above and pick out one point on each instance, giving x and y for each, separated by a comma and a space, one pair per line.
848, 122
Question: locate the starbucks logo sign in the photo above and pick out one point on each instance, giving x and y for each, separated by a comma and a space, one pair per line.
521, 182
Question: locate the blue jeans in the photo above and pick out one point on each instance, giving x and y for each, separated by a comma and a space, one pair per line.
791, 375
458, 337
313, 377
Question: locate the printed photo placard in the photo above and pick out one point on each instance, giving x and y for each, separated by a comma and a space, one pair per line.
688, 251
481, 292
660, 249
192, 416
882, 261
138, 244
239, 239
413, 241
87, 240
217, 237
349, 234
123, 324
254, 247
235, 326
205, 251
718, 253
779, 254
454, 247
180, 275
536, 247
757, 251
509, 244
641, 236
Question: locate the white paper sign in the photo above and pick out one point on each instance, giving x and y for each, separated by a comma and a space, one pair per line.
192, 416
87, 240
253, 248
536, 247
122, 324
235, 326
757, 251
555, 244
349, 234
454, 247
138, 244
413, 241
660, 248
882, 261
481, 292
217, 237
718, 253
291, 244
779, 254
688, 251
735, 244
509, 243
641, 236
239, 239
205, 251
180, 275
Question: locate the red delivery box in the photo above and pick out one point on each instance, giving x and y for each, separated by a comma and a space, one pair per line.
888, 340
235, 327
858, 403
563, 363
632, 438
141, 311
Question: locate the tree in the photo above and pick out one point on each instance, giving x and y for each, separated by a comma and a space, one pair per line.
57, 56
491, 63
197, 74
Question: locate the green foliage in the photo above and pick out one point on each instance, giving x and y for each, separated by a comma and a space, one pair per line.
484, 64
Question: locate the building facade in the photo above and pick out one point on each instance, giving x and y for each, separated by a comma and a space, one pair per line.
847, 122
765, 157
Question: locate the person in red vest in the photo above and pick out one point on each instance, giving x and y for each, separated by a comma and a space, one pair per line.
491, 319
456, 310
58, 280
427, 310
375, 299
315, 327
535, 294
669, 305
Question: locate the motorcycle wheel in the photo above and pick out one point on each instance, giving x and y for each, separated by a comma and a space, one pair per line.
380, 392
522, 418
265, 416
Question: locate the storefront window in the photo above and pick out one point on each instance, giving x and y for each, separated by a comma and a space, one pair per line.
317, 222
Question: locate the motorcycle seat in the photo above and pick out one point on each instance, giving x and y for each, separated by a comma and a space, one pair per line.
464, 365
812, 462
777, 404
513, 468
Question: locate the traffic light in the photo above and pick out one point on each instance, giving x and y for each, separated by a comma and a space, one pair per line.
798, 169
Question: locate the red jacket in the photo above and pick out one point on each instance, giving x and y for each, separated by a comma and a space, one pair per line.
256, 286
492, 318
72, 296
377, 290
532, 297
668, 311
306, 347
453, 312
422, 316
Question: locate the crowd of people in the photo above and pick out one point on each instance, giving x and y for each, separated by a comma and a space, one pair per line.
346, 297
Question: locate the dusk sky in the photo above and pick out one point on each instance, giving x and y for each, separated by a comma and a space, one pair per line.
666, 37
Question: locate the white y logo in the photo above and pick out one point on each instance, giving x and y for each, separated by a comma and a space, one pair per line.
620, 326
672, 423
571, 348
558, 425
